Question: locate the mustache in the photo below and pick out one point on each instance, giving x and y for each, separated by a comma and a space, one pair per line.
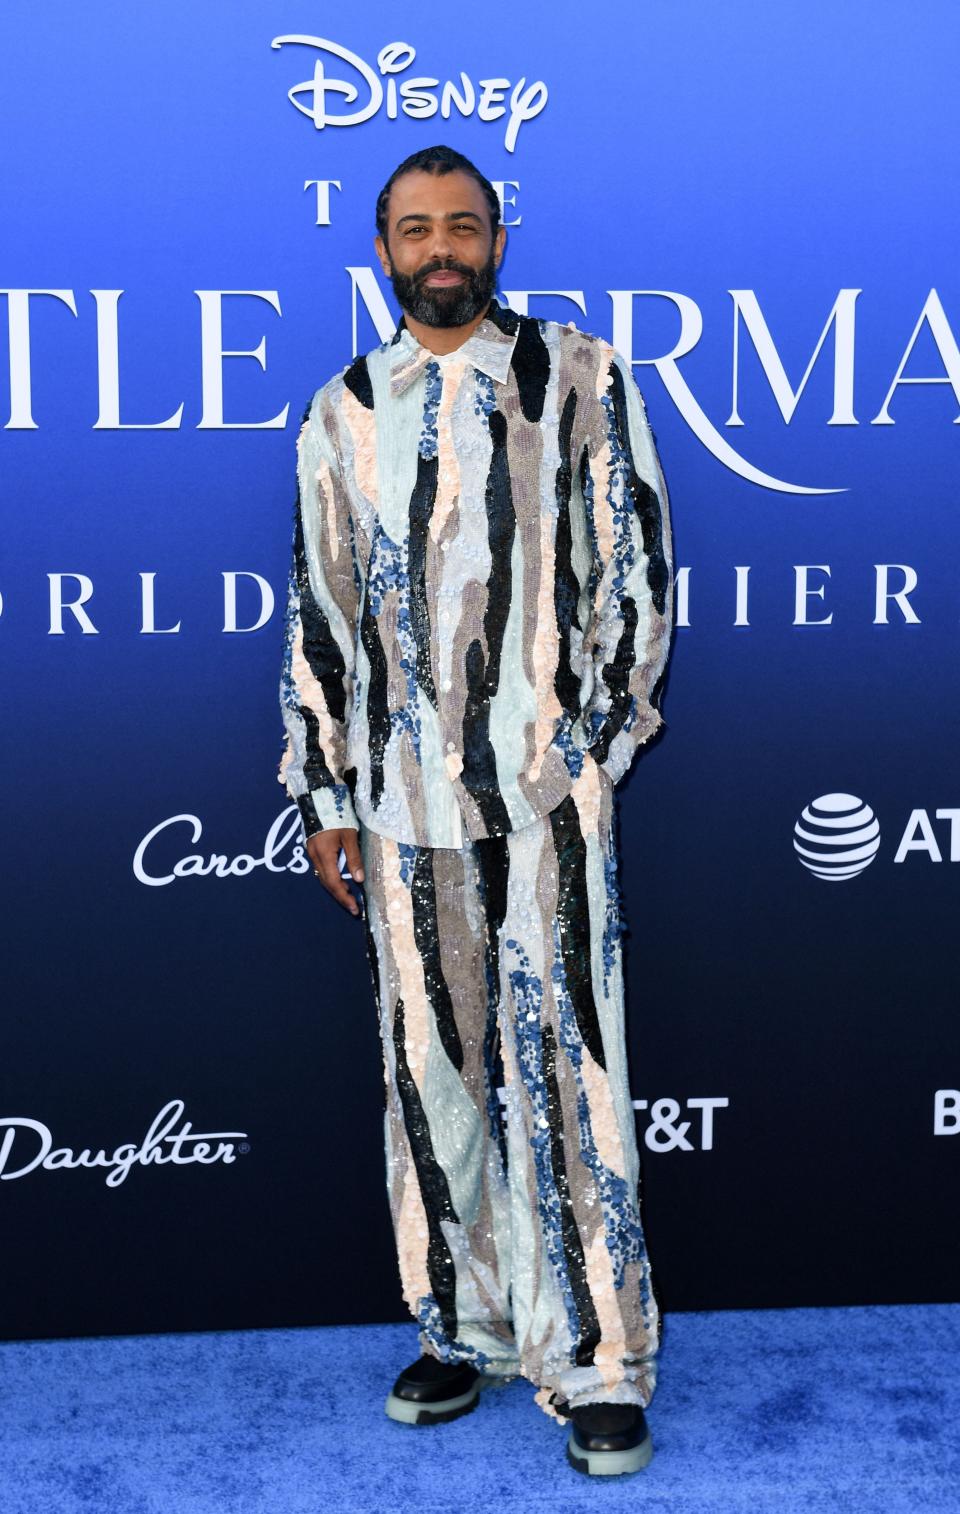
438, 267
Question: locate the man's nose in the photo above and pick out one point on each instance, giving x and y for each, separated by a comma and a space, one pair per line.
441, 244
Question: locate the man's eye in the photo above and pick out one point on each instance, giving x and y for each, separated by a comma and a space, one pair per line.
411, 229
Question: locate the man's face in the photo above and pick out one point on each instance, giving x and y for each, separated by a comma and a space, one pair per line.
438, 252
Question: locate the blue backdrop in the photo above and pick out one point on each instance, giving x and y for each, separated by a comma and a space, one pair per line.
757, 204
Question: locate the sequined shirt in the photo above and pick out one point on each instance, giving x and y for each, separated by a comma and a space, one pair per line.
481, 592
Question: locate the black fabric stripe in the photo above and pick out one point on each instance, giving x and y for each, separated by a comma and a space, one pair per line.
427, 936
589, 1336
378, 714
531, 364
493, 864
479, 774
503, 317
315, 769
372, 958
493, 1062
501, 528
566, 587
421, 508
644, 500
357, 380
432, 1181
309, 816
320, 648
616, 676
573, 920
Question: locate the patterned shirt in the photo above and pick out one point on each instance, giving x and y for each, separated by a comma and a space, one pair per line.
481, 594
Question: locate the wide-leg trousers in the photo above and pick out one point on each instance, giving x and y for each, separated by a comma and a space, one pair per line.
511, 1157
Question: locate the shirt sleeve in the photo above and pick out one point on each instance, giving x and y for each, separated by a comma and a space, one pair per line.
632, 604
317, 679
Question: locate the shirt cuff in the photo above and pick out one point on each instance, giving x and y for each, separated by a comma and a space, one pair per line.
327, 809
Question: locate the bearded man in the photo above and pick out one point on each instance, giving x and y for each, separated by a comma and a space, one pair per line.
478, 627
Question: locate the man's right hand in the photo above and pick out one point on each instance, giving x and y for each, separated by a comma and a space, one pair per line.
324, 852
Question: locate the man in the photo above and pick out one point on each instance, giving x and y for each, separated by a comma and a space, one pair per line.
479, 620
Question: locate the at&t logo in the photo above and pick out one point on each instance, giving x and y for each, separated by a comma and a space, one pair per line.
837, 836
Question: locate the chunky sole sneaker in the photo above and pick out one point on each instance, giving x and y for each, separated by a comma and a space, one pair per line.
430, 1392
608, 1440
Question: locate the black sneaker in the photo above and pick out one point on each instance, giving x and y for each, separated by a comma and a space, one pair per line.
608, 1439
430, 1392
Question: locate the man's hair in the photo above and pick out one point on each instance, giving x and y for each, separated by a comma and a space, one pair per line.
437, 160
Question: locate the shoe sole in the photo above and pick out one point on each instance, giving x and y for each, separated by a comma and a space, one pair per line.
610, 1463
407, 1411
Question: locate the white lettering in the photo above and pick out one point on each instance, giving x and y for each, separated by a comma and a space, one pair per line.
682, 589
230, 602
148, 624
58, 604
933, 313
899, 596
108, 370
417, 97
706, 1127
492, 92
212, 353
500, 185
286, 831
803, 593
323, 188
841, 317
742, 616
525, 104
946, 1111
464, 99
954, 817
363, 283
120, 1161
18, 319
919, 837
691, 329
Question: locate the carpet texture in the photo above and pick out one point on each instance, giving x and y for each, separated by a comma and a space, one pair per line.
847, 1410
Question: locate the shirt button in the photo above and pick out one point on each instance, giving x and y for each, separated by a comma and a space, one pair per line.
447, 684
451, 746
444, 546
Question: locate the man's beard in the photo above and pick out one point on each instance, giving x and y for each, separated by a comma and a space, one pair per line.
453, 306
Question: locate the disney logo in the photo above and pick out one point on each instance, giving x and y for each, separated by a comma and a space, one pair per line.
185, 1147
420, 97
284, 831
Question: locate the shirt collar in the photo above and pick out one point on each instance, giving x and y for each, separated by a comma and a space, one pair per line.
489, 348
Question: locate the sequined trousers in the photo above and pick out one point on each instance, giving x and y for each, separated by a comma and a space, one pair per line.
511, 1155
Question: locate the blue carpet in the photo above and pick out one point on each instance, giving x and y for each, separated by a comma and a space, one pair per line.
846, 1409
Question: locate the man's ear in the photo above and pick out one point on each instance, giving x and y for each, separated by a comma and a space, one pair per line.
384, 256
499, 243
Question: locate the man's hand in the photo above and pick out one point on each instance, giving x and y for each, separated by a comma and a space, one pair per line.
324, 852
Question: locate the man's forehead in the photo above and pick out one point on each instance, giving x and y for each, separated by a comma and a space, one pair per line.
436, 194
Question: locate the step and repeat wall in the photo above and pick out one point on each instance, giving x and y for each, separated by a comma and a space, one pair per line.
757, 206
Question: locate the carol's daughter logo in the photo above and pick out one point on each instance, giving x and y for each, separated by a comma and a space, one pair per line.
27, 1146
282, 852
